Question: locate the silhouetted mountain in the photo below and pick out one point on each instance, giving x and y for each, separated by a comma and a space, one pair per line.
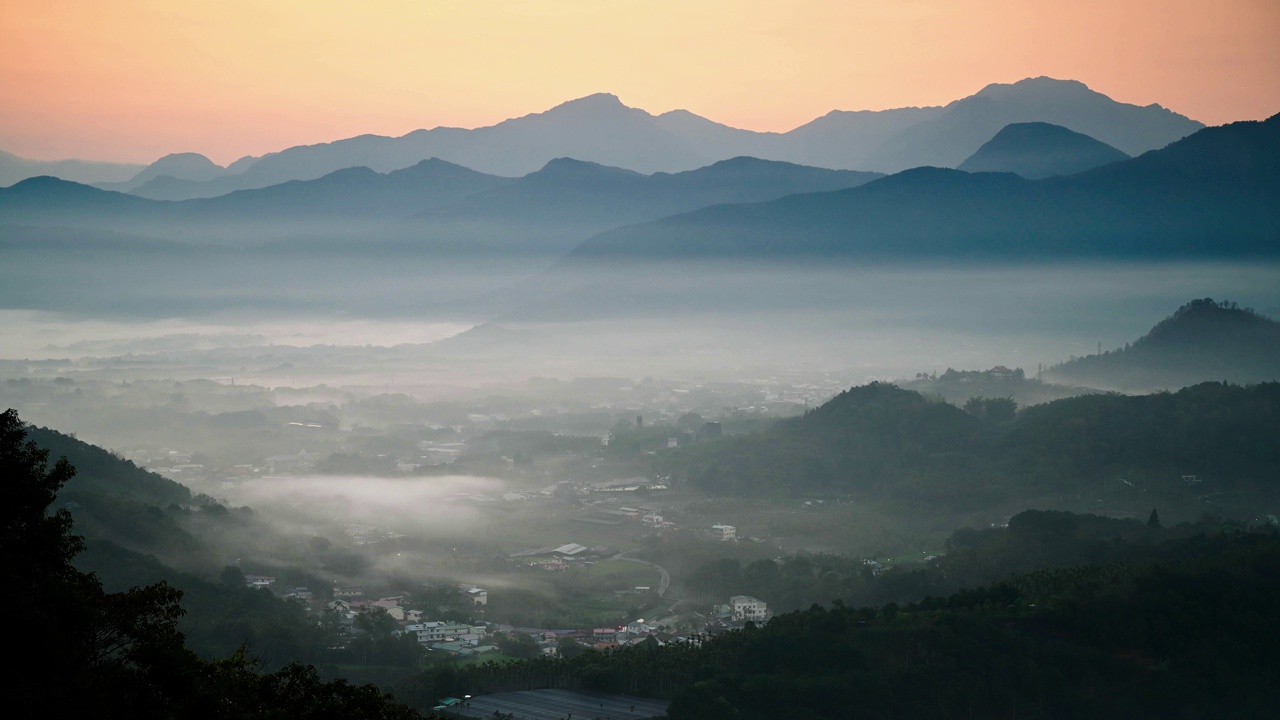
346, 201
548, 211
600, 129
714, 139
1040, 150
48, 200
565, 202
1203, 340
14, 169
353, 192
844, 139
1214, 194
190, 167
100, 472
964, 125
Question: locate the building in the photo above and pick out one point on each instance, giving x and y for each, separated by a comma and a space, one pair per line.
437, 632
477, 596
745, 607
724, 532
391, 606
570, 550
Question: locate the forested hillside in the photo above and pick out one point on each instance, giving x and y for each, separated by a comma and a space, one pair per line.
1203, 340
1183, 629
880, 440
87, 651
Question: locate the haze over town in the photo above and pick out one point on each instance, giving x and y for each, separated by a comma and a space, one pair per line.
689, 360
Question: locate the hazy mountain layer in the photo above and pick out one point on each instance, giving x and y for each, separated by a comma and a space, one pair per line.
1214, 194
1040, 150
350, 200
189, 167
548, 211
1203, 340
552, 210
964, 125
14, 169
600, 129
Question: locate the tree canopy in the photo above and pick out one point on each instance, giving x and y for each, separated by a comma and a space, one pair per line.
86, 652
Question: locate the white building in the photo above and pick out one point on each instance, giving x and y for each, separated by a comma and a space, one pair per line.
725, 532
434, 632
745, 607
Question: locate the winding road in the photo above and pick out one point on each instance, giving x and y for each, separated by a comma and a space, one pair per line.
663, 584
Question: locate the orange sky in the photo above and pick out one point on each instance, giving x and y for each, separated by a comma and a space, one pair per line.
131, 80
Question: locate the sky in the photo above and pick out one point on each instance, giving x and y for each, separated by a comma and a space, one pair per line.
132, 80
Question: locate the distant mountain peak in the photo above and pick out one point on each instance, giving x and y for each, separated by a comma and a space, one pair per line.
682, 113
1203, 340
1190, 322
1038, 85
49, 183
1038, 149
595, 103
563, 166
184, 157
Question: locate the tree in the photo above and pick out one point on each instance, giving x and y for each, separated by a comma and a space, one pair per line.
518, 645
123, 650
232, 577
567, 647
89, 653
1154, 520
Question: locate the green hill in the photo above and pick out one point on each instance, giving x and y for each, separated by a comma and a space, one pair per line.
1203, 340
880, 441
88, 650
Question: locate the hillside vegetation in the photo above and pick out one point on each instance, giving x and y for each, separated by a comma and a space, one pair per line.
1203, 340
879, 440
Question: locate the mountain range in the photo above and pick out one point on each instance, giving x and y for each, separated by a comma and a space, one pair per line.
14, 169
601, 129
1213, 194
567, 201
437, 203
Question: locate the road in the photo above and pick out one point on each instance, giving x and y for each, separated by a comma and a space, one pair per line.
558, 704
663, 584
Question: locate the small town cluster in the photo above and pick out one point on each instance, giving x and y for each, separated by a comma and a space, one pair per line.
475, 636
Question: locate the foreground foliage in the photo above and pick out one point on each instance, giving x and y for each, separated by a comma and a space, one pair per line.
1190, 636
88, 652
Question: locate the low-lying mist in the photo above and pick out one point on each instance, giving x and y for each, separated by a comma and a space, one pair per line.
429, 507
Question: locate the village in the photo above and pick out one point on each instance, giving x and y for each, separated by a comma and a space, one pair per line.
467, 633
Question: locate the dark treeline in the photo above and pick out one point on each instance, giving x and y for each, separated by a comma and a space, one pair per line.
881, 440
129, 515
1188, 636
90, 652
1033, 540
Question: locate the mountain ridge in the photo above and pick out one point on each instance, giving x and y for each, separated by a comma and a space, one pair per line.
600, 128
1212, 194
